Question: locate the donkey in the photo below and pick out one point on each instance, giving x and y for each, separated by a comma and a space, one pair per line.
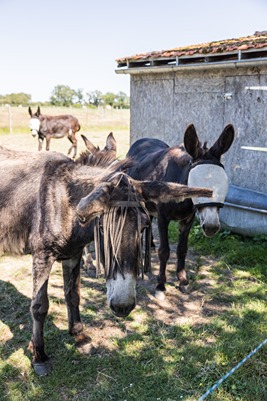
94, 151
191, 164
47, 127
47, 206
85, 158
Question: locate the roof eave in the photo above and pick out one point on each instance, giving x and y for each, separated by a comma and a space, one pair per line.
188, 67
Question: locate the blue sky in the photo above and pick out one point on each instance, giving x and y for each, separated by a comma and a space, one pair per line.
75, 42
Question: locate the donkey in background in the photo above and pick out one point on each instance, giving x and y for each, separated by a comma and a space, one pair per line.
107, 156
47, 127
93, 151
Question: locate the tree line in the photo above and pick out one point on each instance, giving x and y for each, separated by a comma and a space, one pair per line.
63, 95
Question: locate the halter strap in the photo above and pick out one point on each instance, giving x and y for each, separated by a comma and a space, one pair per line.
198, 163
125, 204
209, 204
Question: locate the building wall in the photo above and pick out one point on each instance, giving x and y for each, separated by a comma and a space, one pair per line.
164, 104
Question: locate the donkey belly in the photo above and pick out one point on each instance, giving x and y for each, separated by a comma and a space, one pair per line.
59, 135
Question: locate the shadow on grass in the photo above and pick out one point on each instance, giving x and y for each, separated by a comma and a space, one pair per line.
15, 314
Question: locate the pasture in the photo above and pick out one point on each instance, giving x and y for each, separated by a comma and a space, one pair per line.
95, 123
168, 350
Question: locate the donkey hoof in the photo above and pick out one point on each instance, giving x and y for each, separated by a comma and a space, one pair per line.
76, 329
184, 289
160, 295
42, 368
183, 283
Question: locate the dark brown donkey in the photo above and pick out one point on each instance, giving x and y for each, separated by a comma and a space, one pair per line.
92, 152
47, 127
191, 164
47, 206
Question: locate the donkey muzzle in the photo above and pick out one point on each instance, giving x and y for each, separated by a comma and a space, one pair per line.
34, 132
121, 294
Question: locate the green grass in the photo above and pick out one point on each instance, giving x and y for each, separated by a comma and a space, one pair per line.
246, 253
153, 360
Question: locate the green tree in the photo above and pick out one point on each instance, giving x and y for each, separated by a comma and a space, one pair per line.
95, 97
63, 95
109, 99
79, 96
122, 101
16, 99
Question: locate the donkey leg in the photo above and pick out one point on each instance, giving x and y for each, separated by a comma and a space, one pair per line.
71, 274
39, 308
153, 246
48, 138
147, 261
87, 259
40, 143
182, 247
164, 254
73, 140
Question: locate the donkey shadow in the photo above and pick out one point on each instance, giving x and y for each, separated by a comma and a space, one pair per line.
15, 314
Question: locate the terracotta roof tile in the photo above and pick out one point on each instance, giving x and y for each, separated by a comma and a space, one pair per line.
256, 41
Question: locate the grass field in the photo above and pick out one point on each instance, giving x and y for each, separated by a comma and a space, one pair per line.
169, 350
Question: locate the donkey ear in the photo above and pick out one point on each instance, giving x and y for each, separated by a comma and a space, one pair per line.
163, 192
95, 203
111, 142
224, 141
38, 113
191, 142
88, 144
30, 111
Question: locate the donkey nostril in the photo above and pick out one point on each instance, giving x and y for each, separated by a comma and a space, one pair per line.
122, 310
210, 230
112, 307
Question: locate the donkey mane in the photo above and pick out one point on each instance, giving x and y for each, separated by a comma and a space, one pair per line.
101, 166
98, 158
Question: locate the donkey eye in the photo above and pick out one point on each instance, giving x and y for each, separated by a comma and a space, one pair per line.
82, 219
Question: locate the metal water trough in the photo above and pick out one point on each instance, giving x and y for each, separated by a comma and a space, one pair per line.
244, 211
